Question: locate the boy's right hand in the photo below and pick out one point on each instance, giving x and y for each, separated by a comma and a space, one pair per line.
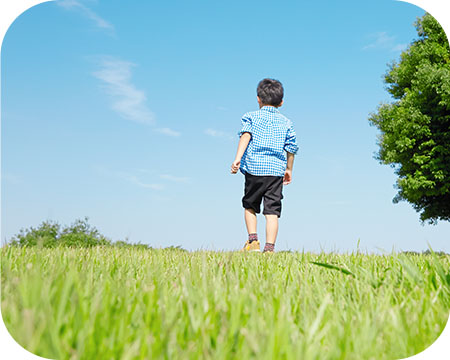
235, 166
287, 177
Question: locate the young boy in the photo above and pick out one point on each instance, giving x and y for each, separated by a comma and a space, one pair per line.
265, 155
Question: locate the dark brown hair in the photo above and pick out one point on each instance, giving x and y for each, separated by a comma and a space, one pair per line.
270, 92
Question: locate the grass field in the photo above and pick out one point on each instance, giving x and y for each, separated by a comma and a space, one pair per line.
130, 303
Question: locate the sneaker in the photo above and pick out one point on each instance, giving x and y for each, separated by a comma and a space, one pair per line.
253, 246
268, 251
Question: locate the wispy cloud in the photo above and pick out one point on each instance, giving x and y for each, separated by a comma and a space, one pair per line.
219, 134
174, 178
399, 47
87, 12
139, 179
382, 40
136, 181
165, 176
129, 101
168, 131
11, 178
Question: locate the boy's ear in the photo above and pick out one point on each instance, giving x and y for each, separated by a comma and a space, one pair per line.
259, 100
281, 103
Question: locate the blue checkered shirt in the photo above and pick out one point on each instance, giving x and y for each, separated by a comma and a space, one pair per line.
272, 135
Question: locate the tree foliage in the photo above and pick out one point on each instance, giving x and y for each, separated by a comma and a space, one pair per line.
415, 128
50, 234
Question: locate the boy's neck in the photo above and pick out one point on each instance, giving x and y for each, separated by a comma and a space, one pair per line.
262, 105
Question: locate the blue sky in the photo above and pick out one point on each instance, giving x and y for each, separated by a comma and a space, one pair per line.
127, 112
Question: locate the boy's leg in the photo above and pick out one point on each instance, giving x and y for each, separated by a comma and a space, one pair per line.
250, 221
251, 202
271, 228
252, 243
272, 210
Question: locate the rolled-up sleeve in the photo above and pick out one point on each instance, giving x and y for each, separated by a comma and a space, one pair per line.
291, 145
246, 125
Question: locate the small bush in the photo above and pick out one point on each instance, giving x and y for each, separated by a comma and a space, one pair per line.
50, 234
175, 248
126, 244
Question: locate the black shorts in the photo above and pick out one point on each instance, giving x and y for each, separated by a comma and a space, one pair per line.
268, 187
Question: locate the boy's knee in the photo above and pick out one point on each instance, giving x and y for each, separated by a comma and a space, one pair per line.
272, 215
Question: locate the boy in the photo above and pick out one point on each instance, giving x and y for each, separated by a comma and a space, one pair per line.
265, 155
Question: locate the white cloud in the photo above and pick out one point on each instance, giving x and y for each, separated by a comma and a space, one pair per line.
382, 40
11, 178
174, 178
136, 181
218, 134
168, 132
143, 173
129, 101
399, 47
78, 6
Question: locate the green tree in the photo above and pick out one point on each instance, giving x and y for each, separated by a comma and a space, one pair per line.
415, 128
50, 234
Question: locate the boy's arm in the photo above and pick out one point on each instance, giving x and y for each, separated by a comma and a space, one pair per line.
242, 146
288, 173
291, 148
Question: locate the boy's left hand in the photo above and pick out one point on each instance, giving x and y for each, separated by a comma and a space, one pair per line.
235, 166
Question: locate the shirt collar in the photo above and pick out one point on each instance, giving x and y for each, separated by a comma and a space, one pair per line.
270, 108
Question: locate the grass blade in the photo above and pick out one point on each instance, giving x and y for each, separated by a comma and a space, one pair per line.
334, 267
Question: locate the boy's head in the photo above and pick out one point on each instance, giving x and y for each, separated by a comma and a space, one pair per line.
270, 92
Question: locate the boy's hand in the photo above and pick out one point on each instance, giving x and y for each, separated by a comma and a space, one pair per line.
287, 177
235, 166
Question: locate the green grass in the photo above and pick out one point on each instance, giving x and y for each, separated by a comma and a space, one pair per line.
132, 303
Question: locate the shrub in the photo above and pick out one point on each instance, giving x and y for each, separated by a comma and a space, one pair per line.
50, 234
